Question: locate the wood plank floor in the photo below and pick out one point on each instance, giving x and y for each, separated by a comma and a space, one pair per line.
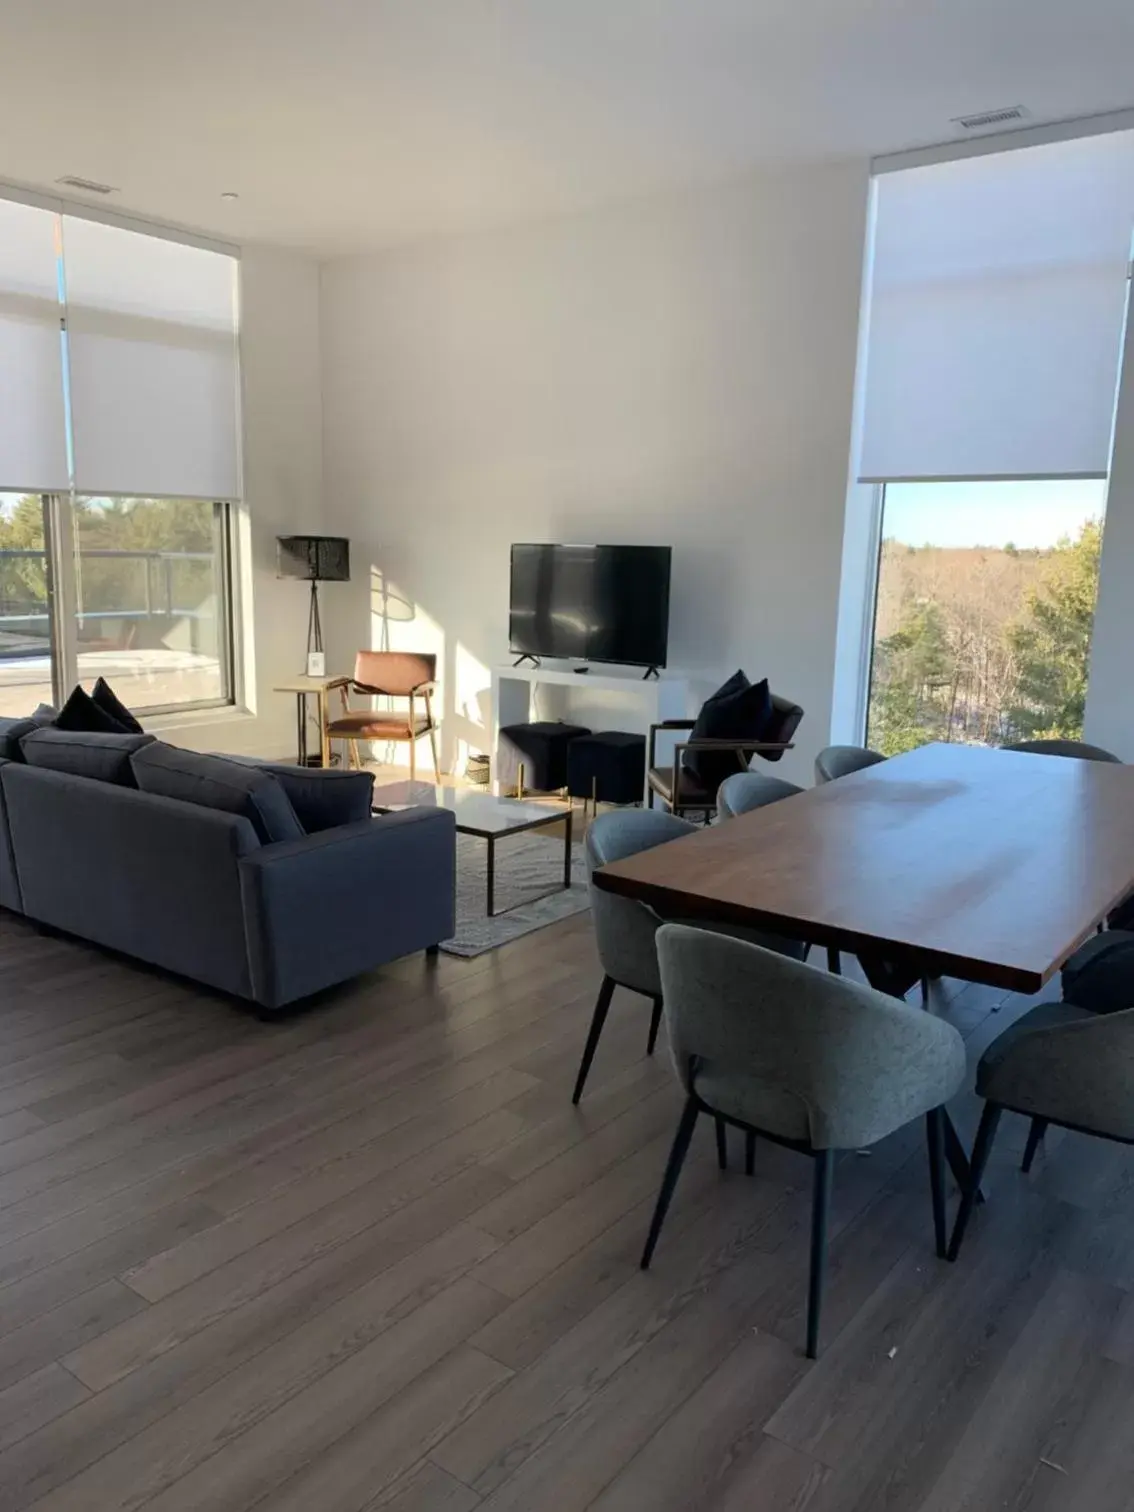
370, 1257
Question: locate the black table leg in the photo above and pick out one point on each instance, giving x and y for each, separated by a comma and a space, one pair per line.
567, 849
491, 875
301, 728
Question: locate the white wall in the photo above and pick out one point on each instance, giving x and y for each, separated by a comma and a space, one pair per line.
677, 371
283, 488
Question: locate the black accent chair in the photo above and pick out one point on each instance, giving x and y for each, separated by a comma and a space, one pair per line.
677, 787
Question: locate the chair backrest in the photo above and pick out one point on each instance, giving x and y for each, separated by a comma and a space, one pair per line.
785, 721
841, 760
396, 673
625, 929
1078, 748
1078, 1072
855, 1060
744, 791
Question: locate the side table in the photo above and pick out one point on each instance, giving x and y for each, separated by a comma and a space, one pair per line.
303, 688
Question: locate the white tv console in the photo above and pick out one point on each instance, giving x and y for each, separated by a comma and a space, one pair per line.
613, 699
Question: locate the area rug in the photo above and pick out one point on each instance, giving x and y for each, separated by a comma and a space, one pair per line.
526, 865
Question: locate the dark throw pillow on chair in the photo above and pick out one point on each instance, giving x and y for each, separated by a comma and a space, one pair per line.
104, 697
82, 713
738, 710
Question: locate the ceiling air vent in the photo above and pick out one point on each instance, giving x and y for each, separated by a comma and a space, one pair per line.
73, 181
986, 118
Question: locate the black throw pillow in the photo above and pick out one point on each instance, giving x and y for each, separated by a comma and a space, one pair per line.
738, 710
80, 712
104, 696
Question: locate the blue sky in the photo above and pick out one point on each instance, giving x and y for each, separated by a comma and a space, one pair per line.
990, 514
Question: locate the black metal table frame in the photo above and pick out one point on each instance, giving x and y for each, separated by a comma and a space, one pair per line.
553, 816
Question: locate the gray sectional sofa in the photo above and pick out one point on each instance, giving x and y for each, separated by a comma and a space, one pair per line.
196, 884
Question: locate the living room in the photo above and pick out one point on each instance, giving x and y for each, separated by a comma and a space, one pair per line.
358, 412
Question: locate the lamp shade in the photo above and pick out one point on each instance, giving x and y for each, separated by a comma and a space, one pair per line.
318, 559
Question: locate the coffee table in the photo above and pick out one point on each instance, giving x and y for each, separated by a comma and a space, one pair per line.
487, 817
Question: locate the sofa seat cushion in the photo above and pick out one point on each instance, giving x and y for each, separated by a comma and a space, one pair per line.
322, 797
367, 723
98, 754
12, 731
217, 783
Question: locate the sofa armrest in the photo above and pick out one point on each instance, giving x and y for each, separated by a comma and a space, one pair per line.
334, 904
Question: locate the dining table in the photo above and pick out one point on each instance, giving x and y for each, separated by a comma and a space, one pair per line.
964, 861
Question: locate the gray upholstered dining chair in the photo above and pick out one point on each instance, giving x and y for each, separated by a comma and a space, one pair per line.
1098, 978
1078, 748
810, 1061
744, 791
625, 929
841, 760
1059, 1064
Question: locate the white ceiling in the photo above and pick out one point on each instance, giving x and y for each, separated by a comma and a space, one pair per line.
346, 124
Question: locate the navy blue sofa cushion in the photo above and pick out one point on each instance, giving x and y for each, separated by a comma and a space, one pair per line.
80, 712
217, 783
101, 755
12, 731
104, 697
322, 797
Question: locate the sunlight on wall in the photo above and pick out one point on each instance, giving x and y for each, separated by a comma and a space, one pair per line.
471, 705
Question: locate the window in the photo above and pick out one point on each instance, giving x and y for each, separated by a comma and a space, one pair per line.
150, 596
26, 655
984, 611
119, 454
146, 598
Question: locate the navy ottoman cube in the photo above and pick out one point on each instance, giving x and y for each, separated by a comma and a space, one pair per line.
609, 766
541, 748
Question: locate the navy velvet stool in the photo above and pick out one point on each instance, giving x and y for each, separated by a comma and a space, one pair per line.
609, 766
539, 752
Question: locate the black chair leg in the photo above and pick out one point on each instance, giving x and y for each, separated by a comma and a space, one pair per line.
655, 1025
749, 1152
989, 1121
722, 1144
820, 1214
1035, 1139
677, 1154
834, 961
935, 1139
598, 1019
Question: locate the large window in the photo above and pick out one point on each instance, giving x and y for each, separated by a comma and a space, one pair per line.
26, 639
984, 612
119, 461
141, 586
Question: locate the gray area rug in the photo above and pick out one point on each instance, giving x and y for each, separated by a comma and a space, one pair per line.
526, 865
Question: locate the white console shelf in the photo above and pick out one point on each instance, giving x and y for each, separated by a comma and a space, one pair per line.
612, 699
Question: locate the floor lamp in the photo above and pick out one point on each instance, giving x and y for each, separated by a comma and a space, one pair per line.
314, 559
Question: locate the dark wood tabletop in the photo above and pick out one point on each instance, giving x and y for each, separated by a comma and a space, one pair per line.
988, 865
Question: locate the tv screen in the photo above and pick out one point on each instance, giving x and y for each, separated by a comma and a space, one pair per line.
591, 603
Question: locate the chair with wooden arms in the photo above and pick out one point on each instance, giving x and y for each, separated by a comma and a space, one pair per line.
677, 787
388, 674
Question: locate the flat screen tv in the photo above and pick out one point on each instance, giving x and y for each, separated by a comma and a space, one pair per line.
591, 603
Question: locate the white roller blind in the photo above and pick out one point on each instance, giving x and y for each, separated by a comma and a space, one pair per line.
996, 313
33, 428
152, 328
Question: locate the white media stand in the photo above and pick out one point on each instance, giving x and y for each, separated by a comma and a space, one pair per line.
611, 699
